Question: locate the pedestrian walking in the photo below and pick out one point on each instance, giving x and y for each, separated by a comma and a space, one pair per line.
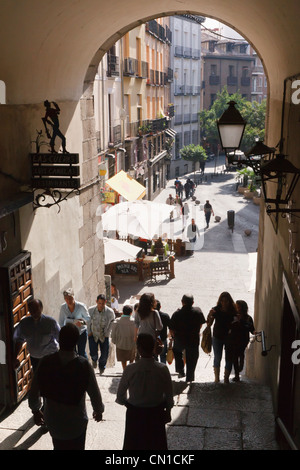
72, 311
185, 326
165, 319
171, 201
147, 319
146, 390
99, 328
187, 189
239, 337
122, 335
192, 232
222, 316
180, 189
178, 205
192, 186
62, 379
39, 331
185, 214
208, 210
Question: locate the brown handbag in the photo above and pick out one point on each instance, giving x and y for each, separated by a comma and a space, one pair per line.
206, 340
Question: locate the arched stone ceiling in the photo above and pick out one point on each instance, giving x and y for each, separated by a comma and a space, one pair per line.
47, 46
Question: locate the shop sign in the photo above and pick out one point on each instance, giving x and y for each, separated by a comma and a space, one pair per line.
55, 170
127, 268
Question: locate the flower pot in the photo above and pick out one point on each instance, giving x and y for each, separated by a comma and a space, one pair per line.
249, 194
242, 189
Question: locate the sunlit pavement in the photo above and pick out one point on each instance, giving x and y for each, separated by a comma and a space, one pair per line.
206, 416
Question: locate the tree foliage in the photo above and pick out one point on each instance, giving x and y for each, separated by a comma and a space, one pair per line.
194, 153
253, 113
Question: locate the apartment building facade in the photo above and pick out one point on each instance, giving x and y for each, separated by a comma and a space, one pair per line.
225, 63
186, 87
132, 97
259, 84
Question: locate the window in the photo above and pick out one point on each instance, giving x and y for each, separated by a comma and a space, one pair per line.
213, 69
231, 70
212, 98
245, 71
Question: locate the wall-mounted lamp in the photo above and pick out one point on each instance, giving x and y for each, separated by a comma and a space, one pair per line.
258, 154
277, 169
285, 176
110, 155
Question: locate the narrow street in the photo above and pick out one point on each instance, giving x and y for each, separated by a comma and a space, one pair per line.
206, 415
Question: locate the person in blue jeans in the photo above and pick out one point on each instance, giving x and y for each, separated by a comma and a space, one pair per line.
72, 311
222, 316
185, 326
99, 328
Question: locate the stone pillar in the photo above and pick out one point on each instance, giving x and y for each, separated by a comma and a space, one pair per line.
93, 250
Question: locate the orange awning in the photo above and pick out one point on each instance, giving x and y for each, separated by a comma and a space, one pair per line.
129, 188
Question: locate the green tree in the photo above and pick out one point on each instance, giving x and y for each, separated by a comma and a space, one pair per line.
254, 113
194, 153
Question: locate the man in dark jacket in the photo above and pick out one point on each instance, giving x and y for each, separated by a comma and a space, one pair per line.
185, 327
63, 378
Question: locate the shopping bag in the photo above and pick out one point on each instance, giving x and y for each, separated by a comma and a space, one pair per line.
206, 340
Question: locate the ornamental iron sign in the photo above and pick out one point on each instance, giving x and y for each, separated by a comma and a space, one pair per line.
46, 170
53, 171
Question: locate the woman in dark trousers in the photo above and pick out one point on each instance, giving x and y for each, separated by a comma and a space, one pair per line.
222, 316
238, 338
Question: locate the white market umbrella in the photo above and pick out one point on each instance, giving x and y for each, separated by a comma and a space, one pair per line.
137, 218
119, 250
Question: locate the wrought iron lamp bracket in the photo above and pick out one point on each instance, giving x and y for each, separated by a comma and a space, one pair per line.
55, 194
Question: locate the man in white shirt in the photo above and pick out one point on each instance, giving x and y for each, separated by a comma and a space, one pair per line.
149, 400
99, 328
75, 312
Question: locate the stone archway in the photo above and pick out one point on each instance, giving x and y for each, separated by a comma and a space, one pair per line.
47, 55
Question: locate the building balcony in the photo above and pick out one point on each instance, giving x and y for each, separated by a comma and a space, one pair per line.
178, 51
187, 52
196, 54
178, 119
113, 66
245, 81
130, 67
115, 135
214, 79
232, 81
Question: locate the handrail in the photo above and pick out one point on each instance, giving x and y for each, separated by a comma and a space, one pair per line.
286, 434
264, 350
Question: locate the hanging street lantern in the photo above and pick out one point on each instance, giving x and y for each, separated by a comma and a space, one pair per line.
231, 128
258, 154
285, 175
